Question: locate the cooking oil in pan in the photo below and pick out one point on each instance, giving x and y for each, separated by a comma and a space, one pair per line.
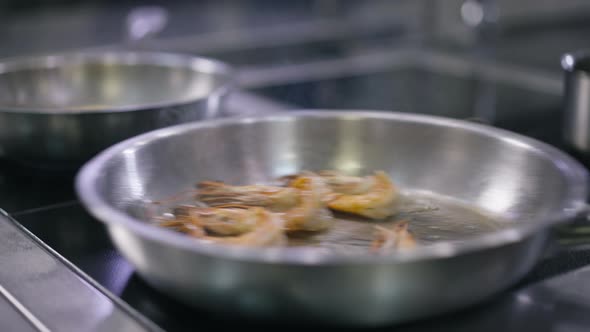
431, 218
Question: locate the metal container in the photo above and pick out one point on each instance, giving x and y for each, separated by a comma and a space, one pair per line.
493, 196
63, 109
576, 68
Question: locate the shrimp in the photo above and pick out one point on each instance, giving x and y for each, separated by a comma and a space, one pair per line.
345, 184
218, 221
215, 193
254, 227
184, 227
311, 214
268, 232
396, 238
371, 196
301, 204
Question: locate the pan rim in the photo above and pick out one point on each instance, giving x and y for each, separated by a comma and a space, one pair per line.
574, 173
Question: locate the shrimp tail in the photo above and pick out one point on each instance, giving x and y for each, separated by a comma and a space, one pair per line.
398, 237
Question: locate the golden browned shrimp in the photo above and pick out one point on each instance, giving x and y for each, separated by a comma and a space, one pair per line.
247, 227
218, 221
311, 214
267, 232
301, 204
371, 196
215, 193
398, 237
347, 185
183, 226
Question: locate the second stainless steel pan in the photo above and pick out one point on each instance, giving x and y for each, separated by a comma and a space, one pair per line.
60, 110
480, 200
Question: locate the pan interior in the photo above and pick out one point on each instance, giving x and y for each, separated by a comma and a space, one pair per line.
458, 180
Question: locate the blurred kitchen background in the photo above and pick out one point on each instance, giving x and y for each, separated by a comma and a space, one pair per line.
493, 61
497, 61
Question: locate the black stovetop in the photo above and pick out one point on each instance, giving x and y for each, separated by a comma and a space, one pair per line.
44, 201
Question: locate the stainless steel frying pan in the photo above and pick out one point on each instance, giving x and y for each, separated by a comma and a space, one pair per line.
481, 201
60, 110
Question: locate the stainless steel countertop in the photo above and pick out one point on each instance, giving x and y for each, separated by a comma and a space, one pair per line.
42, 291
